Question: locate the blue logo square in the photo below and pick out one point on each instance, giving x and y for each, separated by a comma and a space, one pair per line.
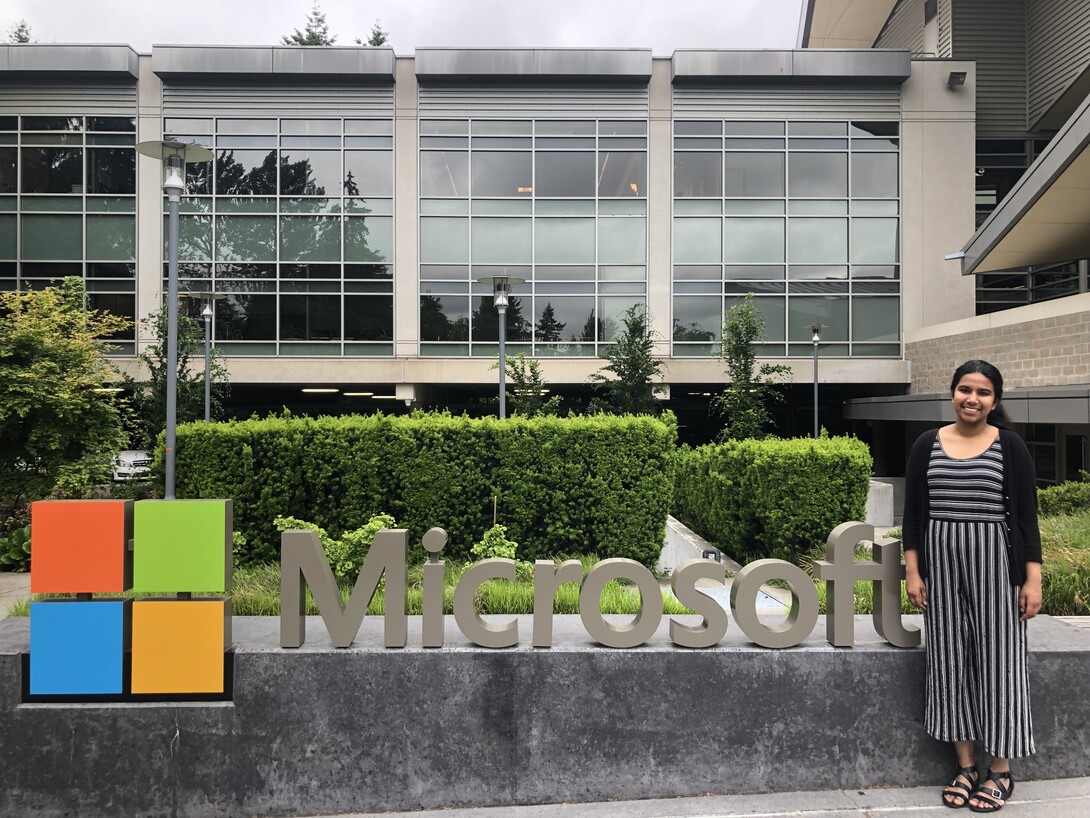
77, 647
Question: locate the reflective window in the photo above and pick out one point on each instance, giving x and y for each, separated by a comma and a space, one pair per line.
368, 173
245, 172
874, 175
310, 173
564, 174
52, 170
111, 170
751, 241
818, 175
817, 241
753, 174
444, 173
621, 173
698, 174
507, 173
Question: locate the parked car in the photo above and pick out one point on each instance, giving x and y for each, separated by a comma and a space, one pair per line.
132, 464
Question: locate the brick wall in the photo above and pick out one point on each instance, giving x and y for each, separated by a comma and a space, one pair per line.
1043, 352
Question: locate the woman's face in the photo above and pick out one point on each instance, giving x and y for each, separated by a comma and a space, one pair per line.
974, 398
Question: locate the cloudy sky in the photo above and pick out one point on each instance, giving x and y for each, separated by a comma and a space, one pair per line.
661, 25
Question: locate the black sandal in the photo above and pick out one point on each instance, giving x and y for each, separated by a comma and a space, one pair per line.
995, 799
959, 789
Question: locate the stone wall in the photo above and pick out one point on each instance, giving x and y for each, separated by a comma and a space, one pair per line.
1031, 347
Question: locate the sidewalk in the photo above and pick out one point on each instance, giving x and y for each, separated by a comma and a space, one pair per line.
1060, 798
13, 588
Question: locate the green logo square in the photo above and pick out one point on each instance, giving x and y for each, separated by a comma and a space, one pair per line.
182, 546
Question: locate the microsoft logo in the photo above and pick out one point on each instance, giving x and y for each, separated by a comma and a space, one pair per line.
121, 648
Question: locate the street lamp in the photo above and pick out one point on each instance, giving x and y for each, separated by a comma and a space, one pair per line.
174, 156
501, 288
207, 299
816, 330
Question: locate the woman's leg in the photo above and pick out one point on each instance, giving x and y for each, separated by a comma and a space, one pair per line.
994, 790
957, 794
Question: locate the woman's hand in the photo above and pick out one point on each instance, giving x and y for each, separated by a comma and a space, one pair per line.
1029, 600
917, 591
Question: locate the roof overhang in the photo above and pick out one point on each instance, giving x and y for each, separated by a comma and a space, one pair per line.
48, 60
1046, 404
843, 23
1045, 219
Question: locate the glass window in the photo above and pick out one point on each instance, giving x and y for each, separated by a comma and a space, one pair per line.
245, 172
818, 175
52, 170
564, 318
560, 128
698, 128
444, 318
502, 241
8, 175
622, 241
369, 238
310, 238
874, 241
246, 238
874, 175
368, 173
697, 318
564, 241
7, 237
111, 238
698, 241
194, 238
876, 319
564, 174
752, 241
368, 318
310, 317
444, 240
622, 173
246, 318
486, 323
52, 237
444, 173
502, 173
698, 174
611, 315
111, 170
817, 241
829, 311
753, 174
310, 173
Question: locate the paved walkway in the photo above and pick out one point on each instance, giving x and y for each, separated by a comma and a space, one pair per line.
1061, 798
13, 587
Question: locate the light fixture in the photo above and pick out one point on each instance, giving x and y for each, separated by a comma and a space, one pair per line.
174, 156
357, 394
206, 298
385, 397
108, 390
815, 340
521, 189
501, 289
321, 389
634, 188
955, 79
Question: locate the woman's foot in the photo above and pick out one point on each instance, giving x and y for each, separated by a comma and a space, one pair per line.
992, 794
961, 788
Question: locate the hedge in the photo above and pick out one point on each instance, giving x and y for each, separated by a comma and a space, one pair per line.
1070, 497
772, 498
576, 485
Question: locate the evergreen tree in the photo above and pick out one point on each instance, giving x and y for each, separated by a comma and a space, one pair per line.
19, 33
634, 370
548, 328
743, 400
378, 35
315, 32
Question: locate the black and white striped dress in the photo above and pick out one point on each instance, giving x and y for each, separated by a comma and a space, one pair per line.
977, 684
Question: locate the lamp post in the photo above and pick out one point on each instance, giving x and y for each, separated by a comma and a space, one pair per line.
816, 330
207, 299
501, 288
174, 156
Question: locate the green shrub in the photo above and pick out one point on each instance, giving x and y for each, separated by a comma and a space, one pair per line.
772, 498
495, 545
600, 484
1066, 498
347, 554
15, 549
1065, 566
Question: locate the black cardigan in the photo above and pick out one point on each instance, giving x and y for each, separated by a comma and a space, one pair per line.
1019, 496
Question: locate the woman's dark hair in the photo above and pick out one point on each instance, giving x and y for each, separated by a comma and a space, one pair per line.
997, 417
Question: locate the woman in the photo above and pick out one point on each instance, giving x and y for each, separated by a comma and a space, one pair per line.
973, 564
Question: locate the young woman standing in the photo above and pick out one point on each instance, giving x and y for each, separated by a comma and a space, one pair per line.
973, 564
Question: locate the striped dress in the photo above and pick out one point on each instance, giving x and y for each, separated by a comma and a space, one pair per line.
977, 684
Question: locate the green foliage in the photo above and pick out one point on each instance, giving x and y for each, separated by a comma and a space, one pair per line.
527, 395
1065, 564
15, 549
315, 32
495, 545
345, 555
53, 424
744, 400
378, 35
634, 371
598, 484
150, 396
772, 498
19, 33
1066, 498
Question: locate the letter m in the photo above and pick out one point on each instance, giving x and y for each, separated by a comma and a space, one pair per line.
302, 560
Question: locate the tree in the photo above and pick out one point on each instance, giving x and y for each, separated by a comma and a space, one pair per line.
548, 328
744, 399
150, 396
634, 370
315, 32
378, 35
19, 33
52, 419
527, 392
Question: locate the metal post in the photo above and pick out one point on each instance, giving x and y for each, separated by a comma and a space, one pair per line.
816, 341
172, 339
503, 361
207, 313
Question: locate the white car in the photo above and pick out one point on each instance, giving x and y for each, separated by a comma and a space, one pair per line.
132, 464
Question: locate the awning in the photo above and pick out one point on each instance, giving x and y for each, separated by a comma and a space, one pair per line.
1045, 219
843, 23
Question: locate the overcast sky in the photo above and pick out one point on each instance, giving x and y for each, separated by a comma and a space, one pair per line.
661, 25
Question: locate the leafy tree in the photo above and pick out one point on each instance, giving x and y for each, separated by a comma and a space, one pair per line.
52, 421
548, 328
378, 35
19, 33
150, 396
315, 32
634, 370
744, 399
527, 393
